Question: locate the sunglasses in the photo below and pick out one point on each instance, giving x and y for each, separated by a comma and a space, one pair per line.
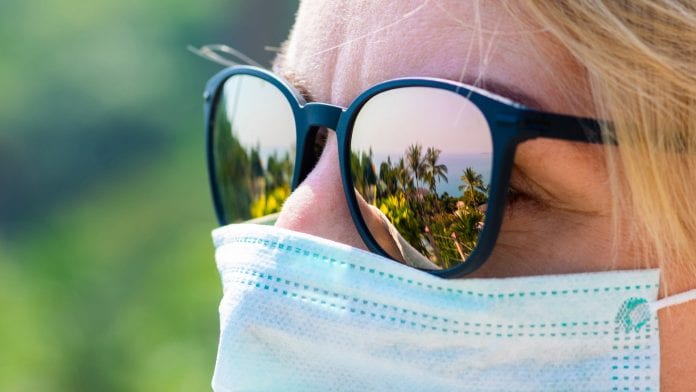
425, 163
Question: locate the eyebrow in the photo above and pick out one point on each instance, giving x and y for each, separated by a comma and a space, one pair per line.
278, 67
496, 87
508, 91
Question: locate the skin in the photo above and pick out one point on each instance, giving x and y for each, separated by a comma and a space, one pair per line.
562, 220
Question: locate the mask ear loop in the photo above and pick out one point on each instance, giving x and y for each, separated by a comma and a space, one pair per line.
673, 300
213, 53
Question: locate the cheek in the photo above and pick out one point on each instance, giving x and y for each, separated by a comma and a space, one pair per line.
564, 222
540, 240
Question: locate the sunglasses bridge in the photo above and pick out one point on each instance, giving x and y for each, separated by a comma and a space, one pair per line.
319, 114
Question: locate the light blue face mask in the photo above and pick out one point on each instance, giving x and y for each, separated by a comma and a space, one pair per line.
301, 313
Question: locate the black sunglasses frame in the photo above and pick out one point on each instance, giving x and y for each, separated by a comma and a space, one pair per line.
510, 124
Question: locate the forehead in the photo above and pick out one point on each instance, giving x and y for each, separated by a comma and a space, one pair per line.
337, 49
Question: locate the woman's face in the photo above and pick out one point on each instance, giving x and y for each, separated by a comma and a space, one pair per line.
562, 222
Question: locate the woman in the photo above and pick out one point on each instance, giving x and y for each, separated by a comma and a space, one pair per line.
574, 205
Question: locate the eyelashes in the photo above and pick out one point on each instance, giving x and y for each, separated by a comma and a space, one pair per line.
512, 197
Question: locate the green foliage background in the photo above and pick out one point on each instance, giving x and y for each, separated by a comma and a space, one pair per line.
107, 277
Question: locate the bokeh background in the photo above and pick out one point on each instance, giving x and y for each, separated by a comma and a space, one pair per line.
107, 277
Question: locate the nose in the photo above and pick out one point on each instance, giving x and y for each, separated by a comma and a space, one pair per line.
318, 205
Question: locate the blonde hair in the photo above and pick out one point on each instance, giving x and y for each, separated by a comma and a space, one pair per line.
640, 57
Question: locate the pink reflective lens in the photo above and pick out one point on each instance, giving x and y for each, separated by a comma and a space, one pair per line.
421, 161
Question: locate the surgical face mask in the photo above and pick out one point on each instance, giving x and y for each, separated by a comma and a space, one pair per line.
301, 313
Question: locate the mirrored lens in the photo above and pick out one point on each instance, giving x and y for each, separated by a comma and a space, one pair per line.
253, 145
421, 162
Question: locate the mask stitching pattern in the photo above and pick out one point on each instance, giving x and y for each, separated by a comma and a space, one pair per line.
629, 362
377, 313
625, 365
623, 368
331, 260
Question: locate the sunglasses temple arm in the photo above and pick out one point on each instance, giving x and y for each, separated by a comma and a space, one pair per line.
562, 127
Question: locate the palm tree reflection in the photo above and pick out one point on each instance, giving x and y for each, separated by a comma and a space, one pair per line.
443, 227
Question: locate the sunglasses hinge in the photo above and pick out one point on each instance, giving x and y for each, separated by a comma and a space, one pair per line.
507, 121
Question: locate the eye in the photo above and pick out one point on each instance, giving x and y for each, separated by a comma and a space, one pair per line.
320, 142
520, 200
512, 197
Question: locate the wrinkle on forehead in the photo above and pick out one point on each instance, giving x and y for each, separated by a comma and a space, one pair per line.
339, 48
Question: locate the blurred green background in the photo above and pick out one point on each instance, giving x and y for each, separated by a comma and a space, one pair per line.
107, 277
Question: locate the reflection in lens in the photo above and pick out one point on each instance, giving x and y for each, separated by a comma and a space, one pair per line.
423, 157
253, 148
